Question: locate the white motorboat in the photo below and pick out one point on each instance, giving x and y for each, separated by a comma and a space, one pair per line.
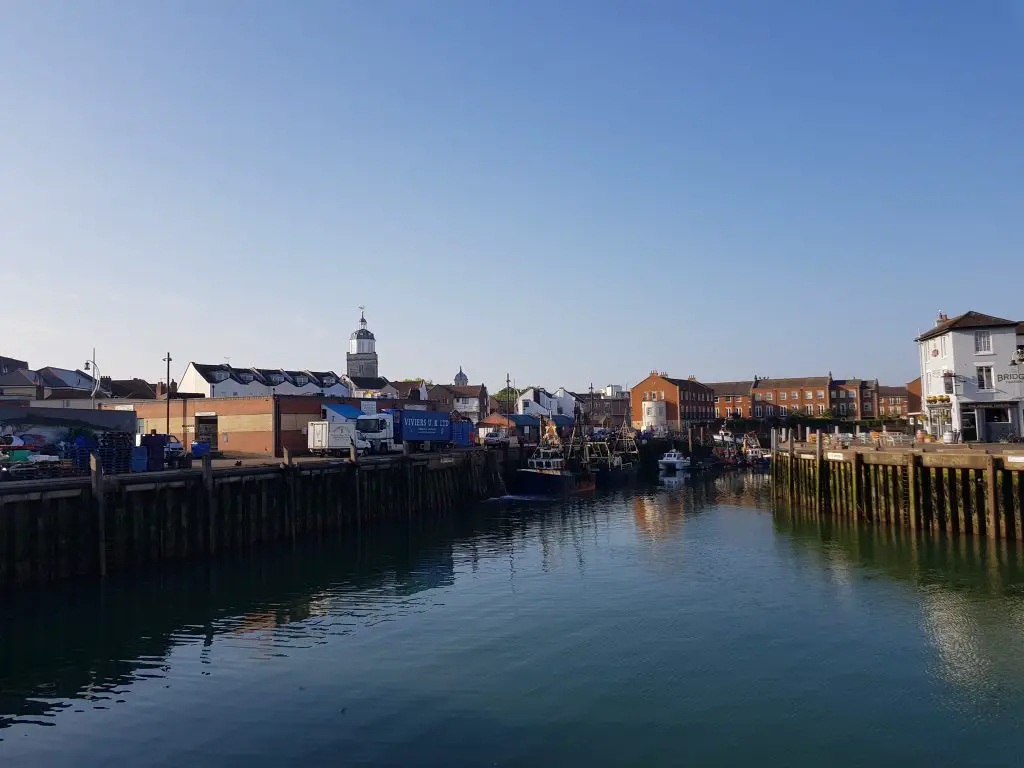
724, 437
674, 460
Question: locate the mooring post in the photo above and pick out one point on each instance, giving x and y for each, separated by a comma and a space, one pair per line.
790, 469
689, 439
992, 513
211, 504
99, 495
352, 453
855, 485
912, 500
817, 472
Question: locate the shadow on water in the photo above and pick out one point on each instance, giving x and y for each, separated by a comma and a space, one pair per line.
89, 641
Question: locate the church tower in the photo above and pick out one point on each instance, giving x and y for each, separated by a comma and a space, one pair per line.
461, 379
361, 359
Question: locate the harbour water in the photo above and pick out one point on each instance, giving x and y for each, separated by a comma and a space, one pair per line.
666, 626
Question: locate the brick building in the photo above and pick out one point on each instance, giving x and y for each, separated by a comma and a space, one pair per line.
854, 399
779, 398
662, 402
893, 402
248, 426
733, 399
914, 397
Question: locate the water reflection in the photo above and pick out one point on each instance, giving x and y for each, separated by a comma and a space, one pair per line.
970, 592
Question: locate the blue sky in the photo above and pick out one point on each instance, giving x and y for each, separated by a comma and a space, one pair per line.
571, 192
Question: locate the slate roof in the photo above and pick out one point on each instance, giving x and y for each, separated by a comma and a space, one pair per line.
806, 382
405, 388
21, 378
11, 364
741, 388
970, 319
884, 391
469, 390
133, 388
369, 382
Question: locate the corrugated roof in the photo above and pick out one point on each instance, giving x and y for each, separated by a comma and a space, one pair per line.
522, 420
970, 319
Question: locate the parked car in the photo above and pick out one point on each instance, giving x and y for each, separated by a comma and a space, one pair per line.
496, 437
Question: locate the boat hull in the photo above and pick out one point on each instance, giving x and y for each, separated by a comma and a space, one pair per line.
609, 478
529, 482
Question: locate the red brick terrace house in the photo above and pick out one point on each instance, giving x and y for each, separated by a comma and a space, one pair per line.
660, 401
893, 402
733, 399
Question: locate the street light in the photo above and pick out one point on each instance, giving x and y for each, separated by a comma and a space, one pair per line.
167, 394
91, 365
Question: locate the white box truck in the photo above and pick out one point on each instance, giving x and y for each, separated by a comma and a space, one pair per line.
334, 438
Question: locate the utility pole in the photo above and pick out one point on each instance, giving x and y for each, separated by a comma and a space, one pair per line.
508, 395
168, 395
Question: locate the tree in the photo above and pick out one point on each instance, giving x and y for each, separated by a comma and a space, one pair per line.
507, 398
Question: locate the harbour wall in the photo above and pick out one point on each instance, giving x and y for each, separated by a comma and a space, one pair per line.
55, 530
961, 491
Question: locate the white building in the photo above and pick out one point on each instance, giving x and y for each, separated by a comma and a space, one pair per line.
226, 381
537, 401
972, 377
654, 416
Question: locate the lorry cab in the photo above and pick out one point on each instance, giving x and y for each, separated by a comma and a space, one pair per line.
378, 430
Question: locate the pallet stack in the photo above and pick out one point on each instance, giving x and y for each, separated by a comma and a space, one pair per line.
114, 450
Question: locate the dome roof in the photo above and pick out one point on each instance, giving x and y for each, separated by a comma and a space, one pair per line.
361, 332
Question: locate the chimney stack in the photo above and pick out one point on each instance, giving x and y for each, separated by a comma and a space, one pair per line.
941, 318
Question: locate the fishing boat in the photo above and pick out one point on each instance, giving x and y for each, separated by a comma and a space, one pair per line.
614, 460
554, 470
674, 460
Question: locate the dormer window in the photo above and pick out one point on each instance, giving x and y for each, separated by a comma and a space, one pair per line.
330, 381
246, 378
301, 381
275, 378
219, 375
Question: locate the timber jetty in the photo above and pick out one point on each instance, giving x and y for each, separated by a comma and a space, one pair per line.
58, 529
947, 489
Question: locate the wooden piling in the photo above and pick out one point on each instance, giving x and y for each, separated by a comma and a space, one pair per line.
99, 499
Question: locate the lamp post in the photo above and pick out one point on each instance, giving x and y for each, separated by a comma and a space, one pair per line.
167, 394
91, 365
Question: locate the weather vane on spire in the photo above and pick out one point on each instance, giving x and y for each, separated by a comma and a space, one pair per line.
362, 314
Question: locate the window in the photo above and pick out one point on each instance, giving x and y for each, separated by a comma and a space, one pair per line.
757, 395
796, 395
851, 394
757, 411
783, 410
728, 398
768, 409
867, 407
947, 384
821, 409
782, 395
835, 395
984, 374
982, 342
808, 395
717, 398
809, 408
842, 409
821, 394
942, 346
662, 393
717, 414
768, 396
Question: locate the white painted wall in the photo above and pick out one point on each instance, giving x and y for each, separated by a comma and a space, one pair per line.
192, 383
954, 352
654, 415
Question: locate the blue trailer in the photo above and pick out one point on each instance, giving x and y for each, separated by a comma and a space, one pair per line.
393, 428
422, 426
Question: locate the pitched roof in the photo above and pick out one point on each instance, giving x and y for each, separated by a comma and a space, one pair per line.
21, 378
65, 377
406, 387
11, 364
134, 388
807, 381
732, 387
884, 391
469, 390
684, 382
522, 420
319, 376
970, 319
369, 382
